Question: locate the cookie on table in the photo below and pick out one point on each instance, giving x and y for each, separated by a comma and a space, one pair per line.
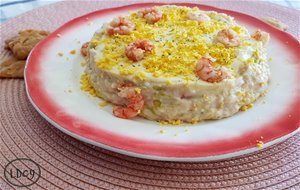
22, 44
12, 68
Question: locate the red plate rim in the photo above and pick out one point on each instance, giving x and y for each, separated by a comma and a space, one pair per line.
276, 129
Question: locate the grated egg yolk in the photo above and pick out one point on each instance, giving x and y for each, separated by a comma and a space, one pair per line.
170, 122
86, 86
178, 44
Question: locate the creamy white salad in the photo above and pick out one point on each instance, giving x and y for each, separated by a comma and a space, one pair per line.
178, 64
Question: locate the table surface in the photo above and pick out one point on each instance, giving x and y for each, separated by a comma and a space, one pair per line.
11, 8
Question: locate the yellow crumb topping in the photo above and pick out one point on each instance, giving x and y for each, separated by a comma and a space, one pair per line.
195, 120
162, 131
86, 86
126, 71
156, 103
223, 55
168, 82
264, 93
240, 93
246, 107
205, 98
170, 122
73, 51
83, 64
60, 54
103, 104
237, 29
260, 144
256, 57
178, 44
137, 90
221, 105
250, 61
140, 76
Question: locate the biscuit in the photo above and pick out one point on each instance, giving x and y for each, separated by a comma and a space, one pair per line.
22, 44
276, 23
12, 68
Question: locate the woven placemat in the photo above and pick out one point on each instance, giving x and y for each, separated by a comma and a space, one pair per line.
66, 163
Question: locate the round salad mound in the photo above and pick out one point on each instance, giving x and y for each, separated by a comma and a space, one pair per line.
174, 63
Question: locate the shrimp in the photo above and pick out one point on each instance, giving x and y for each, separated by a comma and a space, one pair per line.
262, 36
200, 17
135, 102
120, 26
228, 37
84, 49
135, 50
151, 15
206, 72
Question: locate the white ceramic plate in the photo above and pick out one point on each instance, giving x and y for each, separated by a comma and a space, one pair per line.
53, 87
